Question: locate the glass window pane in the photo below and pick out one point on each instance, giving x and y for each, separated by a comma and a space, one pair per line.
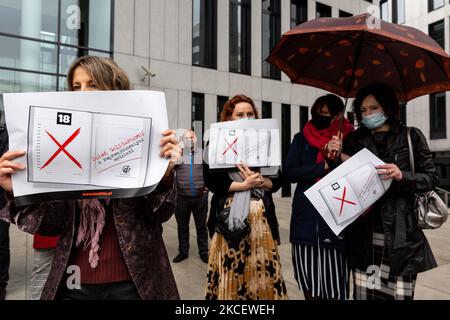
221, 100
204, 33
386, 13
69, 54
304, 116
13, 81
86, 23
27, 55
266, 110
271, 34
401, 11
30, 18
322, 10
344, 14
62, 82
285, 144
436, 31
434, 4
198, 113
438, 123
240, 36
299, 12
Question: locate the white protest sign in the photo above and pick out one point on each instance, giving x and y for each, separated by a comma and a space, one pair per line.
86, 144
348, 191
253, 142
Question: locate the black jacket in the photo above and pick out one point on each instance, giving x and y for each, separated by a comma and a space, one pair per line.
407, 247
218, 182
3, 149
307, 225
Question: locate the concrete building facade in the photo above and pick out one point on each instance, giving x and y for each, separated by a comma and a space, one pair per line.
166, 39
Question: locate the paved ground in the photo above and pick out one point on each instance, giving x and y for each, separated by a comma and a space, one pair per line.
190, 274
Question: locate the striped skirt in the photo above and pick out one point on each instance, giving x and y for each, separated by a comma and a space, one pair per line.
321, 273
377, 283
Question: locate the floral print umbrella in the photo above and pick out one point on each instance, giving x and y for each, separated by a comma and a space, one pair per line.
342, 55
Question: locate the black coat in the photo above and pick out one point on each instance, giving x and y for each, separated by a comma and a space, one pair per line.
407, 247
218, 182
3, 149
307, 225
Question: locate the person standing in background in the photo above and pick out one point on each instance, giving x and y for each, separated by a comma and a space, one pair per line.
192, 198
44, 252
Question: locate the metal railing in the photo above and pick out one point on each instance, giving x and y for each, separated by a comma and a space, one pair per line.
444, 194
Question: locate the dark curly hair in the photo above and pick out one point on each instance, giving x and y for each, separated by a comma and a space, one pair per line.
333, 102
385, 96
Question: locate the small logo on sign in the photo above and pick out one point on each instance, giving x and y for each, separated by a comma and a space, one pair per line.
126, 169
335, 186
64, 118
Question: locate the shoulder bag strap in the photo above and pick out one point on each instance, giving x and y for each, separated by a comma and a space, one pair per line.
411, 150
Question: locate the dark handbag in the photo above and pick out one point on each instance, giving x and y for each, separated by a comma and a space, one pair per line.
431, 212
232, 237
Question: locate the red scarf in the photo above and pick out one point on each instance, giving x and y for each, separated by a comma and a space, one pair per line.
319, 138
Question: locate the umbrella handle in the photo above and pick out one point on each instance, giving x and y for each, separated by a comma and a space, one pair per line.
341, 121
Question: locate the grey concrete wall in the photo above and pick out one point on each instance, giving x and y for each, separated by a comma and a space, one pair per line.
158, 34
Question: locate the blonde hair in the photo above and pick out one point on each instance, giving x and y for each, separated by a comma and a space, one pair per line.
105, 73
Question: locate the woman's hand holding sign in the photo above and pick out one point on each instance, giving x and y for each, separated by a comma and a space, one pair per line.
170, 149
390, 171
8, 167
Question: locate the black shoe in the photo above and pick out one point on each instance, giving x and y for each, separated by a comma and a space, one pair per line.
2, 293
180, 257
204, 257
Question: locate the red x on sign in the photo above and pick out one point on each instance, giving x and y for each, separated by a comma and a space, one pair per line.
343, 200
230, 146
62, 148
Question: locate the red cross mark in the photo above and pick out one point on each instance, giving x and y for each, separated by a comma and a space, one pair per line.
62, 148
230, 146
344, 201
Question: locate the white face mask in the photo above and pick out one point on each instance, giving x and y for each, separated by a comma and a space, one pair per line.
374, 121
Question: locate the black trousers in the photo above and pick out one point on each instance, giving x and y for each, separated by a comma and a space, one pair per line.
199, 208
4, 254
125, 290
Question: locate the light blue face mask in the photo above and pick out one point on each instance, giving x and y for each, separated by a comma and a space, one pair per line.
374, 121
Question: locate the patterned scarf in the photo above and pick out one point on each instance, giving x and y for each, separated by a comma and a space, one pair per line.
92, 222
319, 138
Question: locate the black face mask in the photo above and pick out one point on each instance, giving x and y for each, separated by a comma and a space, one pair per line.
321, 122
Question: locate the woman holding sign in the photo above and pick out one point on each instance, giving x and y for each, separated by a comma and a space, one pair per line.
386, 249
108, 249
320, 265
244, 264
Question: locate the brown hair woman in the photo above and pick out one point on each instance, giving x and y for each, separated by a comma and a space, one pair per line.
117, 244
247, 267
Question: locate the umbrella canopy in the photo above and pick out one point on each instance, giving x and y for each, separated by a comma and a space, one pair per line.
342, 55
